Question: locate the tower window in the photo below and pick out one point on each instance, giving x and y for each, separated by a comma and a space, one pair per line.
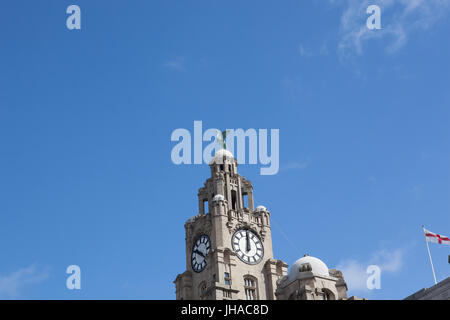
221, 167
205, 206
250, 288
227, 278
233, 199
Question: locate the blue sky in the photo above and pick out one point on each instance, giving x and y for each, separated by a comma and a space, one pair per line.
86, 116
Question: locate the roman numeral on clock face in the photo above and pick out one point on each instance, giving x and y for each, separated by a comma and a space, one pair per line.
248, 246
200, 251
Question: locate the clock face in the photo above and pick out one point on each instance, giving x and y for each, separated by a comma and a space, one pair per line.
248, 246
199, 252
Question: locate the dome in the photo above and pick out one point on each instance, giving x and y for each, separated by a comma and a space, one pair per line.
260, 208
318, 267
218, 197
220, 155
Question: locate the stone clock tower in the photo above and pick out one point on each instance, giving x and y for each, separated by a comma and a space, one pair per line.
229, 243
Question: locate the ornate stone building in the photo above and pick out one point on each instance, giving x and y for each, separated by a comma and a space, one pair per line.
440, 291
310, 279
229, 248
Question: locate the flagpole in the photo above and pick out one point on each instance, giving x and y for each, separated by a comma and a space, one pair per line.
429, 255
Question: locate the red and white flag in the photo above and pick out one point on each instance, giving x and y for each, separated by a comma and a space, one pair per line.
436, 238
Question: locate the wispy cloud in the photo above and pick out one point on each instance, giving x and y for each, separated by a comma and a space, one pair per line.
354, 271
296, 165
12, 284
175, 64
399, 18
303, 51
307, 52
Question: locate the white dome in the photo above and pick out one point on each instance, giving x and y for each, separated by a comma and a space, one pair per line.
220, 155
218, 197
260, 208
317, 267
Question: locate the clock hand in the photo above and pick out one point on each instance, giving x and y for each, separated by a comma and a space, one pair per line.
248, 242
200, 253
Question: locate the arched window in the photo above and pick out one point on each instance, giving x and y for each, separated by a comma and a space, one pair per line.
250, 288
327, 295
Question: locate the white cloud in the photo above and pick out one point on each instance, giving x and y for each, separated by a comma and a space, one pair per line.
296, 165
389, 261
12, 284
355, 271
307, 52
354, 274
303, 51
399, 19
175, 64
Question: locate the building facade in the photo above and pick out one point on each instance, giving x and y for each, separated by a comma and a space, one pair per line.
310, 279
229, 252
440, 291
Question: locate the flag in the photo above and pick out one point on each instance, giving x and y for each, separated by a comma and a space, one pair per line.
436, 238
